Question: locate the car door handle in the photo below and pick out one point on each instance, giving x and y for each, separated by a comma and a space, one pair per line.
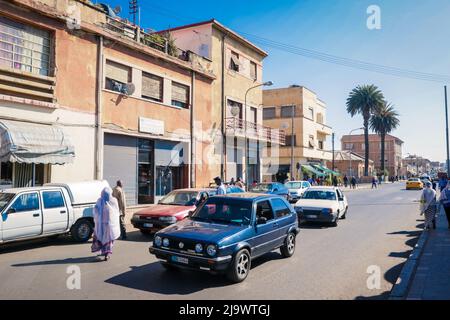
36, 215
63, 211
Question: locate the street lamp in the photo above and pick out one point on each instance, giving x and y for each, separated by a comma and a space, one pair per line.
264, 84
351, 168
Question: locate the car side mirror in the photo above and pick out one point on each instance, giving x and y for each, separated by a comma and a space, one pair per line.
261, 220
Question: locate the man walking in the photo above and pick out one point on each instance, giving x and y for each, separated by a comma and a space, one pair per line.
345, 181
119, 194
221, 190
353, 182
374, 183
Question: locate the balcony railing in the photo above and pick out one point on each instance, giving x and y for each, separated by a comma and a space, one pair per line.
237, 127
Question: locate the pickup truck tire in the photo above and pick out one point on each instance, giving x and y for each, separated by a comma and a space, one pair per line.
82, 230
240, 266
288, 249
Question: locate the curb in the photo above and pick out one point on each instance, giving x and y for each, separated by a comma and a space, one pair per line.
400, 289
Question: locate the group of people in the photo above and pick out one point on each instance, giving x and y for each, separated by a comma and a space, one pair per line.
430, 204
352, 182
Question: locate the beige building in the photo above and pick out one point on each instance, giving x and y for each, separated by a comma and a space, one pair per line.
302, 115
237, 96
350, 164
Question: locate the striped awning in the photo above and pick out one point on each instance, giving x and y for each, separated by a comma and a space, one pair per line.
312, 170
24, 142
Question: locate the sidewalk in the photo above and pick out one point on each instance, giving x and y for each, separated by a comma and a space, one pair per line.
431, 280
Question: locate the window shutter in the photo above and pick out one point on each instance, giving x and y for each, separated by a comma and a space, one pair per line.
180, 93
118, 72
152, 86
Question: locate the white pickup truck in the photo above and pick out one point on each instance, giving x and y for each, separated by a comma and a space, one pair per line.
50, 210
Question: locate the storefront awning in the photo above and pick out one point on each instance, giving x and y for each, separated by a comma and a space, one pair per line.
326, 170
312, 170
24, 142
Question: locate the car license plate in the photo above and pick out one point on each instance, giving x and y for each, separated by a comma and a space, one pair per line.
180, 260
311, 217
148, 225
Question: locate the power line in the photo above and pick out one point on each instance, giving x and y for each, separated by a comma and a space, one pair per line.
325, 57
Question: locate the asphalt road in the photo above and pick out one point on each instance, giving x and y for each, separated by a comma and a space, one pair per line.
329, 263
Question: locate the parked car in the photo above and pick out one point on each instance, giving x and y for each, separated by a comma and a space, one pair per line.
50, 210
296, 189
226, 233
414, 183
234, 189
275, 188
322, 204
174, 207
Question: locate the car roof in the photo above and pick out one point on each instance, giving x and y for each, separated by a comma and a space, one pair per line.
251, 196
29, 189
297, 181
194, 189
322, 188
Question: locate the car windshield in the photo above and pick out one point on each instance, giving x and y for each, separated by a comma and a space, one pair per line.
224, 210
262, 188
5, 198
319, 195
413, 180
180, 198
293, 185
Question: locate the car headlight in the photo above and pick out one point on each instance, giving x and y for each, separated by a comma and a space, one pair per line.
211, 250
158, 241
198, 248
168, 219
166, 242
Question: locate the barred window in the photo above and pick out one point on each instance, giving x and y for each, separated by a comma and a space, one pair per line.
24, 47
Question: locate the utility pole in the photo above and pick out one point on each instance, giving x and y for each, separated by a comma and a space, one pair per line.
134, 8
292, 141
332, 144
446, 126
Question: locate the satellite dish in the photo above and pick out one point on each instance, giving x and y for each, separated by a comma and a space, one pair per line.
235, 111
129, 89
117, 10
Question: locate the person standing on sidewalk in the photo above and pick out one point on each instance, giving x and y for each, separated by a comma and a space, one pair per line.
353, 182
374, 183
428, 206
442, 183
444, 199
345, 181
119, 194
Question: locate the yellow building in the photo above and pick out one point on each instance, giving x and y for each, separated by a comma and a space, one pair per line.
236, 95
302, 115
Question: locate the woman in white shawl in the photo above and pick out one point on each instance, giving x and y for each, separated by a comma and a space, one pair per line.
107, 223
428, 205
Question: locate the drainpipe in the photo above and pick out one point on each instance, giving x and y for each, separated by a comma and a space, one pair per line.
98, 116
193, 149
223, 170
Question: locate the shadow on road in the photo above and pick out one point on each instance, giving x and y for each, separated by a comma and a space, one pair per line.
137, 236
392, 274
68, 261
315, 225
36, 244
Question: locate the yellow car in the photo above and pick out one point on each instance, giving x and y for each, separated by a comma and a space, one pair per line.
414, 183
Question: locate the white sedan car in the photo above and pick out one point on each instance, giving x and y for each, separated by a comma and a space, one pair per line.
296, 189
322, 204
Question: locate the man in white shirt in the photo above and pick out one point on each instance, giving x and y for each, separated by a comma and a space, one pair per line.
221, 190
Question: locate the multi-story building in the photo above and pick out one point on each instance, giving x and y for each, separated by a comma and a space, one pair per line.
302, 115
393, 151
237, 96
87, 95
350, 164
417, 165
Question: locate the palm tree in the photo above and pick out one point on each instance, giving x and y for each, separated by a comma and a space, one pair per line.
383, 122
365, 100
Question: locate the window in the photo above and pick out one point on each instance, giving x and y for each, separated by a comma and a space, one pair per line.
268, 113
253, 70
287, 111
310, 113
24, 47
349, 146
320, 145
235, 108
264, 210
280, 208
311, 143
320, 118
152, 87
6, 173
180, 95
235, 63
117, 76
53, 199
291, 140
26, 202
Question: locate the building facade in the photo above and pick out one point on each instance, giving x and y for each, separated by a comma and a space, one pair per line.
393, 151
350, 164
302, 115
417, 165
111, 102
237, 96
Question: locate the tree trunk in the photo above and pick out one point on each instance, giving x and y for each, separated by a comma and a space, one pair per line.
383, 138
366, 143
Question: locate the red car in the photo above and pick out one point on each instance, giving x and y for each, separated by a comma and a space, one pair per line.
174, 207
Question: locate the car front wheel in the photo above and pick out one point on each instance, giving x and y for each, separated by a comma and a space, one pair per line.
288, 249
82, 230
240, 266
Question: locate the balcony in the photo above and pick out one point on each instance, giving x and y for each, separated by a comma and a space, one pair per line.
236, 127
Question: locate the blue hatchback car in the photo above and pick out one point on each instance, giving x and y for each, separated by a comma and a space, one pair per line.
225, 233
272, 188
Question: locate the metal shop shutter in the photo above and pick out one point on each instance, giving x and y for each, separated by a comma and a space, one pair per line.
120, 163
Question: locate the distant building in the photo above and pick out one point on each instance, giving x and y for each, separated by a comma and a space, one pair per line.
307, 130
417, 165
355, 167
393, 150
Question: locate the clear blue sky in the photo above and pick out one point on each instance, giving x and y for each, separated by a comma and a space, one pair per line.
415, 35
